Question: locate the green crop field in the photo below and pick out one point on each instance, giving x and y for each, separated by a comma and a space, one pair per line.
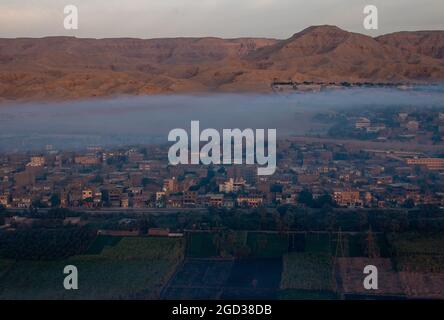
232, 244
5, 265
201, 245
357, 245
235, 243
307, 271
408, 243
318, 242
217, 244
267, 245
101, 242
131, 268
418, 253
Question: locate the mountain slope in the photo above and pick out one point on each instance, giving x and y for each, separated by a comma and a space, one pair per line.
428, 43
70, 68
327, 53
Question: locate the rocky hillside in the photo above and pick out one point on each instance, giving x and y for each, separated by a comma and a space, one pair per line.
62, 68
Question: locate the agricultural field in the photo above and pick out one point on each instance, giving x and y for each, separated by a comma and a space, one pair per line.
5, 265
318, 242
418, 253
357, 245
420, 263
350, 273
225, 279
298, 294
256, 274
296, 242
307, 271
267, 245
232, 265
45, 243
256, 244
102, 241
198, 279
239, 244
129, 268
233, 244
413, 243
201, 245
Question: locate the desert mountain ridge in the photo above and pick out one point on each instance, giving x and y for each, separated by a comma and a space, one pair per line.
66, 68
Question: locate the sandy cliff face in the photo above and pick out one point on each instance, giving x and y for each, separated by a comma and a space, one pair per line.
68, 68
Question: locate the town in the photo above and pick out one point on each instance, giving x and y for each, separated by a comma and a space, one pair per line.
312, 174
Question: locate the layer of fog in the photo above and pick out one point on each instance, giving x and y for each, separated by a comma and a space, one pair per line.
148, 119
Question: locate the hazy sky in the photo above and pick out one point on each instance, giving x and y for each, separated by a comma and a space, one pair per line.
221, 18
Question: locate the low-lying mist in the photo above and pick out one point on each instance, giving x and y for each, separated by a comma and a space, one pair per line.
148, 119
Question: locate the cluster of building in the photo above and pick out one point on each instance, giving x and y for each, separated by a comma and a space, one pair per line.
143, 178
421, 126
